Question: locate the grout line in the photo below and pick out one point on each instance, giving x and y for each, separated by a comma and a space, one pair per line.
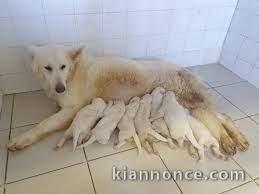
169, 170
7, 151
230, 84
48, 172
111, 154
16, 127
89, 169
236, 187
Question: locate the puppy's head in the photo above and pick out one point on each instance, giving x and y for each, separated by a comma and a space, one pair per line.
54, 65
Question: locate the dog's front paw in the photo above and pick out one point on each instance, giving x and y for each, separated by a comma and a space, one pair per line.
228, 144
22, 141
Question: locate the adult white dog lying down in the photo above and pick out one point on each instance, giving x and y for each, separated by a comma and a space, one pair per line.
72, 78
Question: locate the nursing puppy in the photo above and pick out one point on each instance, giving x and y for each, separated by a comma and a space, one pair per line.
204, 138
72, 78
146, 133
83, 122
159, 125
104, 128
176, 120
126, 126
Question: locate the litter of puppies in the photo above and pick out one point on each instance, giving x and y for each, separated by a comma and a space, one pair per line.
151, 119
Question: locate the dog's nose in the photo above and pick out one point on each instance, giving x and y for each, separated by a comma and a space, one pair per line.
60, 88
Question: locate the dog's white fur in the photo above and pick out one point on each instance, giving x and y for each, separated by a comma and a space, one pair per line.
84, 77
83, 122
104, 128
159, 124
126, 125
176, 120
143, 126
204, 138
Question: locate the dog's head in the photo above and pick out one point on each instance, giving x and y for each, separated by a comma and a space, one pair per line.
55, 65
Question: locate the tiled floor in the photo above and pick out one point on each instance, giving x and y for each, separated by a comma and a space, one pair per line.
41, 170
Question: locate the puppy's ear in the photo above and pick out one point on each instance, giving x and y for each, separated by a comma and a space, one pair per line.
76, 53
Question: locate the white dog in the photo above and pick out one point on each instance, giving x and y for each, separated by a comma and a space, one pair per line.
176, 120
83, 122
143, 126
159, 125
204, 138
104, 128
127, 126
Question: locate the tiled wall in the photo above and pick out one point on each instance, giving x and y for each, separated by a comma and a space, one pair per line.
240, 52
190, 32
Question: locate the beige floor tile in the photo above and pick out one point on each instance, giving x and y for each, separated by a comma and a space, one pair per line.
31, 108
215, 74
72, 180
223, 105
256, 118
3, 154
5, 115
179, 159
1, 190
257, 181
97, 150
243, 95
249, 188
41, 157
249, 160
102, 174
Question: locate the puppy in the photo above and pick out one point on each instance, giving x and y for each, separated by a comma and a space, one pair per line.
204, 138
126, 125
176, 120
159, 125
104, 128
82, 124
143, 126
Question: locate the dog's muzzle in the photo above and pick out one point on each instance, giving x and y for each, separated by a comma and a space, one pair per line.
60, 88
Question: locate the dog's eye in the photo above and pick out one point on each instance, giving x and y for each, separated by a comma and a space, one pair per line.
62, 67
48, 68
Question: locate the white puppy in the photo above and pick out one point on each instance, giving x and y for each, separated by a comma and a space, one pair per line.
204, 138
159, 125
143, 126
176, 120
104, 128
127, 126
83, 122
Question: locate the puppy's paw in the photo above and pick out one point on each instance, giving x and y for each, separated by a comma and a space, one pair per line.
228, 144
241, 142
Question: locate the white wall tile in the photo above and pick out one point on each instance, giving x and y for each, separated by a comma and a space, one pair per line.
12, 60
89, 27
15, 83
249, 51
233, 42
158, 22
137, 5
253, 76
211, 38
94, 47
176, 42
242, 69
31, 30
4, 8
192, 58
228, 60
114, 25
198, 19
136, 47
176, 57
137, 23
25, 7
161, 4
114, 5
157, 46
89, 6
114, 47
194, 40
180, 20
7, 35
61, 28
210, 55
58, 7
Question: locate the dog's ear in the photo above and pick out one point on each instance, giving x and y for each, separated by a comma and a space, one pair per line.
76, 53
32, 50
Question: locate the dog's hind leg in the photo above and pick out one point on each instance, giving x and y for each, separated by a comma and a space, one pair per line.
67, 135
233, 131
210, 120
137, 142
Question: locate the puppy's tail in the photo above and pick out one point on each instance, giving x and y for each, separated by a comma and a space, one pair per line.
90, 141
157, 135
137, 142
